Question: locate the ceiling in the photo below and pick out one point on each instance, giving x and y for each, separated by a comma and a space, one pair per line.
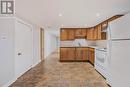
73, 13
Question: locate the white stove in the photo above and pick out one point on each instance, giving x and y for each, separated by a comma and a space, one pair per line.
101, 61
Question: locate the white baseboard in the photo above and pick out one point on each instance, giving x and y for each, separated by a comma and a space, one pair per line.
14, 79
10, 82
36, 63
50, 54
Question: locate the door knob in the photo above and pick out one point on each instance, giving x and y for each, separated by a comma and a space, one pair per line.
19, 54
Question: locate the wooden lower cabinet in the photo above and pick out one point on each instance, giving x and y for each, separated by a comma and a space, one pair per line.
77, 54
67, 54
73, 54
91, 55
63, 54
81, 54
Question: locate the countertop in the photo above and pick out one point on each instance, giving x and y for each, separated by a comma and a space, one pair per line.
95, 47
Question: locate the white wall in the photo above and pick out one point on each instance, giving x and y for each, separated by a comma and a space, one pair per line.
50, 43
101, 43
58, 43
6, 50
54, 43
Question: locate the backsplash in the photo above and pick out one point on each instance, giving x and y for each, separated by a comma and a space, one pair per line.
101, 43
83, 42
67, 43
91, 43
77, 42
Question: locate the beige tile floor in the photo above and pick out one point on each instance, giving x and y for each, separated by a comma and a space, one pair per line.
52, 73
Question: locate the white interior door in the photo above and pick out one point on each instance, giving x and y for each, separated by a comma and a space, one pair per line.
23, 48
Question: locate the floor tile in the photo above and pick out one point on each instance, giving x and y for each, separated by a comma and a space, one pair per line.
52, 73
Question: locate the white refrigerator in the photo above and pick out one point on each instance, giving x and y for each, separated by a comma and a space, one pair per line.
119, 52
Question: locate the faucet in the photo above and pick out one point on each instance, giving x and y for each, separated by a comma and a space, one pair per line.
79, 44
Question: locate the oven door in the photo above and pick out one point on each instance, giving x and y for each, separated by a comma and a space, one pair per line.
100, 62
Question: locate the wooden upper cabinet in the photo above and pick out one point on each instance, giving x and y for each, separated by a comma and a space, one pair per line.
104, 30
80, 33
104, 25
84, 33
63, 34
114, 17
67, 34
90, 33
99, 32
71, 34
95, 33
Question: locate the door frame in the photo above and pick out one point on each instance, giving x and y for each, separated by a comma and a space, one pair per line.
17, 74
41, 44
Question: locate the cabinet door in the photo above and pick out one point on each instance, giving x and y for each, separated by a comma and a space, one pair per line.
63, 54
71, 54
63, 34
104, 28
104, 25
99, 32
84, 33
95, 33
78, 32
81, 33
90, 34
85, 54
71, 34
91, 55
79, 56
